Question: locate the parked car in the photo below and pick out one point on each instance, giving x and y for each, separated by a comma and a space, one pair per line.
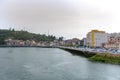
118, 51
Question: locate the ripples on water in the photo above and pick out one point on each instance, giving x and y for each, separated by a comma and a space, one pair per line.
51, 64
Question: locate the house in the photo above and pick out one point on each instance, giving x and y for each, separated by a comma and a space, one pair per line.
72, 42
11, 42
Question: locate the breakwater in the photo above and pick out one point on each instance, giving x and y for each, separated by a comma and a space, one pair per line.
95, 56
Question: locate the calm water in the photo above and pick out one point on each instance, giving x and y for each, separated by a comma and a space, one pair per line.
51, 64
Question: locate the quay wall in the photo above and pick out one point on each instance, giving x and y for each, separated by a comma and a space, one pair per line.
79, 52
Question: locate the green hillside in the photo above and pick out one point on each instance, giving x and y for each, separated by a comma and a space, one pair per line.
23, 35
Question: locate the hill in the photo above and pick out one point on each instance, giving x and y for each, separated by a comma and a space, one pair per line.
23, 35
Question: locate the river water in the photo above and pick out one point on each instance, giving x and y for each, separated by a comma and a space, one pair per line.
51, 64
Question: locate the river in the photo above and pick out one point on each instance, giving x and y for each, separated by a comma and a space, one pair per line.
52, 64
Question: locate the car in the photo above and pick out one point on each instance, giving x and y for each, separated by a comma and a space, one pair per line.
118, 51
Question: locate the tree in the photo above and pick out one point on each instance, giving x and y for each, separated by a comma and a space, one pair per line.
60, 39
13, 29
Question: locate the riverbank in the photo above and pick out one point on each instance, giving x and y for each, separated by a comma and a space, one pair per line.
106, 58
95, 56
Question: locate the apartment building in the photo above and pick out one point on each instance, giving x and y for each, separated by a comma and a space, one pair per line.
96, 38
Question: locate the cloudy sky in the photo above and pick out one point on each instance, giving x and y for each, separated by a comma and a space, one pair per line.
68, 18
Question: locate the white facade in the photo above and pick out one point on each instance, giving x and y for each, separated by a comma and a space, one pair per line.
85, 42
99, 39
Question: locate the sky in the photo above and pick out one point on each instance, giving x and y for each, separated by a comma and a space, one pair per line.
67, 18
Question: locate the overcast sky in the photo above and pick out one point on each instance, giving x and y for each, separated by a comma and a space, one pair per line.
68, 18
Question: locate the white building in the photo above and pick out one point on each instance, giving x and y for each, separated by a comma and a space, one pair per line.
96, 38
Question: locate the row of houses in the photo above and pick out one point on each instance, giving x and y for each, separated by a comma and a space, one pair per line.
69, 42
96, 38
10, 42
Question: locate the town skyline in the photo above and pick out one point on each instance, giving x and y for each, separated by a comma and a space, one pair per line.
47, 33
68, 18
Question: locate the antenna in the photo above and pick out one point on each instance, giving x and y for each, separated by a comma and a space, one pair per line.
24, 29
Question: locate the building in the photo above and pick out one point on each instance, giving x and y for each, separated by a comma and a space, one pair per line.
72, 42
83, 42
114, 38
96, 38
112, 45
11, 42
113, 41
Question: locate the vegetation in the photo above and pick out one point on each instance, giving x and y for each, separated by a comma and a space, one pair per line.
106, 58
24, 35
